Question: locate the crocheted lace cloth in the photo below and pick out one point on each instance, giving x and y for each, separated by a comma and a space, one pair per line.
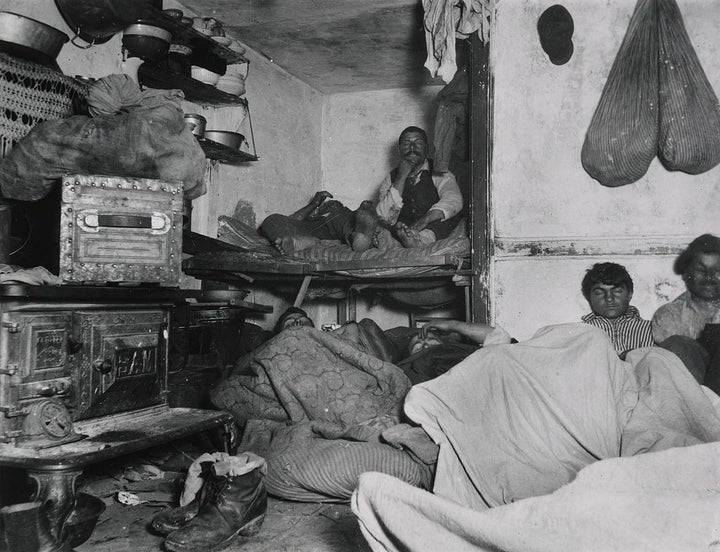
29, 94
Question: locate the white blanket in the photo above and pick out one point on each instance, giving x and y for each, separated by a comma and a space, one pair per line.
656, 502
519, 421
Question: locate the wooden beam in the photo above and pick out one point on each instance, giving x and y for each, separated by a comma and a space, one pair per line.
481, 123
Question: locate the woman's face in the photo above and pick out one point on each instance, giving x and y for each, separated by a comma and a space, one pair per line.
702, 276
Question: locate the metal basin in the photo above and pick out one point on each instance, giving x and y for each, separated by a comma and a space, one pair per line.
32, 35
147, 41
196, 123
97, 21
230, 139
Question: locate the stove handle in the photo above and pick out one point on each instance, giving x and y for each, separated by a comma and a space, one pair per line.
104, 366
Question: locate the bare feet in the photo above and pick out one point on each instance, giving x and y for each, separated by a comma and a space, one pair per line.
366, 222
383, 239
408, 237
360, 242
289, 245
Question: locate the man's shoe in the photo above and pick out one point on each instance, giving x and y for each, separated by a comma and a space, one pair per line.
236, 506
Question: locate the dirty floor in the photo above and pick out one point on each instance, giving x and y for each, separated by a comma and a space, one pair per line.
288, 527
155, 478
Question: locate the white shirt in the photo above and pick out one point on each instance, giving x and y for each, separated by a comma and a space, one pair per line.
450, 200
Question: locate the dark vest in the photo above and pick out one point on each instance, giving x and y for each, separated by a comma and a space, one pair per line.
417, 198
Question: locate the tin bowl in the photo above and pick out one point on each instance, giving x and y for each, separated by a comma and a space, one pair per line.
146, 41
227, 138
196, 123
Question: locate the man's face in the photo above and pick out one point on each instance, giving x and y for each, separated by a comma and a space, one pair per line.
609, 300
417, 343
413, 148
702, 277
296, 319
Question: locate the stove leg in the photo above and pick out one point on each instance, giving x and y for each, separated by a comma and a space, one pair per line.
57, 489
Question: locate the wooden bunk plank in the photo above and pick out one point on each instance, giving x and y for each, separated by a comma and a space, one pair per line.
247, 263
372, 264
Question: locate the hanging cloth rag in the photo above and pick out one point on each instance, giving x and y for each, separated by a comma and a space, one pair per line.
689, 138
622, 139
446, 20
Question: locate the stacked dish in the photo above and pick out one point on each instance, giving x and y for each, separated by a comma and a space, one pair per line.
204, 75
232, 84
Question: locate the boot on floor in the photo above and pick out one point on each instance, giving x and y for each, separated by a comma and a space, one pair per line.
172, 519
25, 528
235, 505
169, 520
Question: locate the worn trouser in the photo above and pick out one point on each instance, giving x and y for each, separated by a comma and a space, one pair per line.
337, 225
700, 356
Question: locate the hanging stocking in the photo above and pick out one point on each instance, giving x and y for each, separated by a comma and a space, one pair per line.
622, 139
689, 138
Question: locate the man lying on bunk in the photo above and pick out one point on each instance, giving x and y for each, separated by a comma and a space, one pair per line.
415, 207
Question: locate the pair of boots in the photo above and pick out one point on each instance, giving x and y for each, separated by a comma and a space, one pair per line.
25, 528
231, 502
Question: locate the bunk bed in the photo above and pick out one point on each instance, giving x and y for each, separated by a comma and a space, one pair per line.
425, 275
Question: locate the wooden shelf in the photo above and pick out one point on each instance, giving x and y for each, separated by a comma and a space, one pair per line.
154, 76
205, 51
224, 154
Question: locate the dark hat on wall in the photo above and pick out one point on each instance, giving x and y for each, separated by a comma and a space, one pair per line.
555, 29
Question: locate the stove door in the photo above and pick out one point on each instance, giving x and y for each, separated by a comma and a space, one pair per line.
122, 364
37, 350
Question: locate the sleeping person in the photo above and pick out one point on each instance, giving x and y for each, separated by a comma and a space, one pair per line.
515, 422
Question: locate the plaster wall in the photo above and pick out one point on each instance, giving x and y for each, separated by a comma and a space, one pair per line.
359, 137
550, 219
286, 124
359, 147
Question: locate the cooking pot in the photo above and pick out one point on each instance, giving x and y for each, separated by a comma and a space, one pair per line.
196, 123
97, 21
30, 39
147, 41
230, 139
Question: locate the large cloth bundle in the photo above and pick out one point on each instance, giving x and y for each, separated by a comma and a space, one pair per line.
689, 138
657, 101
147, 140
622, 139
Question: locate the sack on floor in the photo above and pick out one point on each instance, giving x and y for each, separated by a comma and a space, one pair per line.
305, 467
621, 141
689, 138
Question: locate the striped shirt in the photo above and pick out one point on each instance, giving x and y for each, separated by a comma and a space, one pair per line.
626, 332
